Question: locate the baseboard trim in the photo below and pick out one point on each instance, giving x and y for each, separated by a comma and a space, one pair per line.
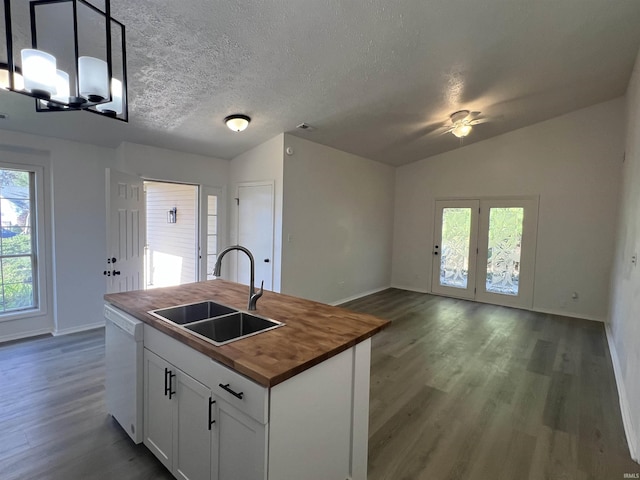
82, 328
359, 295
622, 395
23, 335
562, 313
410, 289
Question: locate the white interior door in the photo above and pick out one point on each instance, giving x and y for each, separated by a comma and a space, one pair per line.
484, 249
255, 231
125, 232
455, 248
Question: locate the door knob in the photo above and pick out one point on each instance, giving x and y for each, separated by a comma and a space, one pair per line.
266, 260
116, 272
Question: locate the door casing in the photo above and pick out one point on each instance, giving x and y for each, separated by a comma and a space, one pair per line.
478, 249
259, 238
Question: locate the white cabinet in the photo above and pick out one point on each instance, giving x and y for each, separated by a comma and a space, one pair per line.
176, 419
158, 409
241, 442
204, 420
192, 447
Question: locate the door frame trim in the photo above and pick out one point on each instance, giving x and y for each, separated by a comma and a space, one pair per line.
258, 183
467, 293
528, 304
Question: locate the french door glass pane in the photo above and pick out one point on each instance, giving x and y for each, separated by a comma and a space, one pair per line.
503, 255
454, 260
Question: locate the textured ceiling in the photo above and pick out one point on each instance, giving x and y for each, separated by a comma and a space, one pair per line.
373, 77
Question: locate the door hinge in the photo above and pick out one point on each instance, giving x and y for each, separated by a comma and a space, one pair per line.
237, 201
474, 290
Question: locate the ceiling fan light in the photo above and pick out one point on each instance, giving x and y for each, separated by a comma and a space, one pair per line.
237, 123
39, 70
93, 78
461, 130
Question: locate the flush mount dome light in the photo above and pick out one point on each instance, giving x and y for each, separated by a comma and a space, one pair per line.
237, 122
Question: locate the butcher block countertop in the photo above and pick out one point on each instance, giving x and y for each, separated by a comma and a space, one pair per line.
313, 332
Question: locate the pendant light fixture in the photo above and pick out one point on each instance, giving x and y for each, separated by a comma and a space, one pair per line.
237, 122
73, 59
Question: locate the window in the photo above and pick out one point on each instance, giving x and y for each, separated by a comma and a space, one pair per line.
18, 247
212, 234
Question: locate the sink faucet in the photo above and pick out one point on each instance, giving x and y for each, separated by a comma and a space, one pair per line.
253, 296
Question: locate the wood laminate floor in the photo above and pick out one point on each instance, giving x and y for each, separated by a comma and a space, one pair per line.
459, 390
463, 390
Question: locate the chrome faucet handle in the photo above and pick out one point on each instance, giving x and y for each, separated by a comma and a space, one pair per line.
254, 298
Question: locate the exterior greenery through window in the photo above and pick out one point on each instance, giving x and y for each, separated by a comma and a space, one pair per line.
17, 251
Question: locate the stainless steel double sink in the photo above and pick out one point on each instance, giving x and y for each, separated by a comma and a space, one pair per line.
214, 322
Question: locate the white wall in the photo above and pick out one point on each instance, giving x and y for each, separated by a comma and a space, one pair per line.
572, 162
152, 163
625, 310
262, 163
337, 224
75, 208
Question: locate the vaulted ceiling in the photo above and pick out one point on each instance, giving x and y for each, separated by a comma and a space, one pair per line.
373, 77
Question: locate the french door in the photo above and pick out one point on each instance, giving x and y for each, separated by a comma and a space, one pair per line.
484, 249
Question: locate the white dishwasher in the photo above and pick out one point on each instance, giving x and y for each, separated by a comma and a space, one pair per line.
124, 367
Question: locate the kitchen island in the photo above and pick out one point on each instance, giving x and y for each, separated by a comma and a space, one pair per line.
291, 402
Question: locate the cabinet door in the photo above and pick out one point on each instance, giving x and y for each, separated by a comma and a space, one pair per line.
158, 407
239, 445
192, 454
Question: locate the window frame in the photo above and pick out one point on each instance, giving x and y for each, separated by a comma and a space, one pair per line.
38, 240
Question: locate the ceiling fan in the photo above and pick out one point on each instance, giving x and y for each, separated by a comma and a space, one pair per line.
462, 122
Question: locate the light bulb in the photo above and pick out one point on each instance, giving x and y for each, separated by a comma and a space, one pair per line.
461, 130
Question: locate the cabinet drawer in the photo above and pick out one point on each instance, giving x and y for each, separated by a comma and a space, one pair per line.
237, 390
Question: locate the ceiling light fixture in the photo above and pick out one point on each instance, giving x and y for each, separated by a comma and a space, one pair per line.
74, 60
461, 130
237, 122
461, 123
